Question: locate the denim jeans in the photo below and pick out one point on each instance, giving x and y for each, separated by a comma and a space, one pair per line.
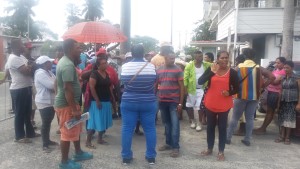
47, 115
171, 122
131, 113
241, 106
214, 118
22, 99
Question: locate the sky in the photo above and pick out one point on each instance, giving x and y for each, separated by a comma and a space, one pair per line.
148, 17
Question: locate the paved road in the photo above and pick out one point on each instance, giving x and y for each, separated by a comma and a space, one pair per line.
263, 153
5, 101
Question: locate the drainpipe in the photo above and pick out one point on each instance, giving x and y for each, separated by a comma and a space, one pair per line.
236, 4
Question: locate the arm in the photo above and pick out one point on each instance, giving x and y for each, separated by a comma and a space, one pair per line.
85, 75
92, 83
186, 76
69, 94
270, 77
5, 76
298, 105
55, 86
205, 76
113, 100
235, 83
113, 47
25, 70
44, 79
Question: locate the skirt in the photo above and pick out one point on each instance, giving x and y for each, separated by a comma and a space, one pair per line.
100, 119
287, 114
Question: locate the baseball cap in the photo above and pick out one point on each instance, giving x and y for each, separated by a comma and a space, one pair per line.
101, 51
43, 59
28, 45
128, 54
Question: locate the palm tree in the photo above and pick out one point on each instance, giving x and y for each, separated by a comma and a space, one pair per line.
93, 10
21, 19
288, 29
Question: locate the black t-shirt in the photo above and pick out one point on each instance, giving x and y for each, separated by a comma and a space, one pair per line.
102, 86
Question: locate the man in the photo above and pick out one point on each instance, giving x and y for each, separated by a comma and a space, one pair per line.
159, 59
209, 57
59, 55
193, 90
21, 92
171, 93
149, 56
67, 104
248, 94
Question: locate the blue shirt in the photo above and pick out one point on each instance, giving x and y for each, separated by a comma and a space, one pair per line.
141, 89
83, 59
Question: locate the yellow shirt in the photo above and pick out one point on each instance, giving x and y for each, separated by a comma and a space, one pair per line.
158, 60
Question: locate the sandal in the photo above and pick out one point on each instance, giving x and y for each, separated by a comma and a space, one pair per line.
278, 140
90, 146
220, 157
287, 141
206, 152
174, 153
102, 142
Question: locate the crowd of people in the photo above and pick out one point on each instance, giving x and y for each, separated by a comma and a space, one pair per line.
137, 88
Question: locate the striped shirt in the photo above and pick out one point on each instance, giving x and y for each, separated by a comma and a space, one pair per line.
168, 86
250, 88
141, 89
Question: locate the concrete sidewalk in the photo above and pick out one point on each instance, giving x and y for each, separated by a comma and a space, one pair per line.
263, 152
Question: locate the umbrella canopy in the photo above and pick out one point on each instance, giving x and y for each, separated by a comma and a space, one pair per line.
95, 32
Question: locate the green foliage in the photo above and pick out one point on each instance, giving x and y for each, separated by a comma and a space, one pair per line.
93, 10
201, 32
49, 48
149, 43
20, 16
189, 50
73, 13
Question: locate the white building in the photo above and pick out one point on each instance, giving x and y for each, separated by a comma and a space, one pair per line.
259, 24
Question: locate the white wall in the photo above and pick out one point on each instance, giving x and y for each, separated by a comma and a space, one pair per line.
224, 24
296, 51
260, 20
271, 50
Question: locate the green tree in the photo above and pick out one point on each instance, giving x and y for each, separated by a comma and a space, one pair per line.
73, 13
93, 10
49, 48
149, 43
189, 50
202, 32
19, 22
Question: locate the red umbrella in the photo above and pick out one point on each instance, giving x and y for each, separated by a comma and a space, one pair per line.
95, 32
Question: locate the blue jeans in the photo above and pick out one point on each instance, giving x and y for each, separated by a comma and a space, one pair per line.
241, 106
22, 99
214, 118
131, 113
171, 122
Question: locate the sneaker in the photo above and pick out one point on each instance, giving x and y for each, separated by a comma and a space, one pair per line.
82, 156
246, 143
193, 125
228, 142
127, 161
70, 165
164, 148
151, 161
198, 128
46, 150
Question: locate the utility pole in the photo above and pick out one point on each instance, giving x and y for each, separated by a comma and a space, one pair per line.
125, 25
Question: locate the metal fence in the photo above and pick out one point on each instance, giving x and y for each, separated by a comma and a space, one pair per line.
5, 102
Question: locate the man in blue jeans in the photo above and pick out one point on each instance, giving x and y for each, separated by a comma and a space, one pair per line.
170, 92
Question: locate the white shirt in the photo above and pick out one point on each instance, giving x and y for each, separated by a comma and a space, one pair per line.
199, 72
19, 80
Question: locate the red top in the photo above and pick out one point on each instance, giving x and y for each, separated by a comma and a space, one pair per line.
110, 71
214, 100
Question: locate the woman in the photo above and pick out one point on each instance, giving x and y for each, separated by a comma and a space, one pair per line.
222, 84
44, 81
138, 103
289, 103
101, 108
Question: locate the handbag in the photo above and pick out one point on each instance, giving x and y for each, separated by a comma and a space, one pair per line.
87, 97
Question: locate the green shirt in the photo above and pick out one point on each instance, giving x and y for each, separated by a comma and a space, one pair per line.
66, 72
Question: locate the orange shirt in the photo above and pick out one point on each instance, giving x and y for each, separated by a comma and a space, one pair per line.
214, 100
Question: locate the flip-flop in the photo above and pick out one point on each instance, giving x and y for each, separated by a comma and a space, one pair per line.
90, 146
278, 140
206, 153
23, 140
220, 157
102, 142
287, 141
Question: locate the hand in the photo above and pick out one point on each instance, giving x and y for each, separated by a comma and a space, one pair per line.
225, 93
179, 110
76, 114
298, 107
99, 104
215, 67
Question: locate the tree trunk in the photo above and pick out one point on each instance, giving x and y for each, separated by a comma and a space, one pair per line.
288, 29
125, 25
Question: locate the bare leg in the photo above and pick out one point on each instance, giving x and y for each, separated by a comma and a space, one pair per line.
268, 119
64, 147
190, 112
77, 146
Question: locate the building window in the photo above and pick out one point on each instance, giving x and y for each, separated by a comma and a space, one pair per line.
297, 3
260, 3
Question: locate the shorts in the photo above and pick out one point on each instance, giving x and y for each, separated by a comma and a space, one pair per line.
195, 100
272, 99
64, 114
